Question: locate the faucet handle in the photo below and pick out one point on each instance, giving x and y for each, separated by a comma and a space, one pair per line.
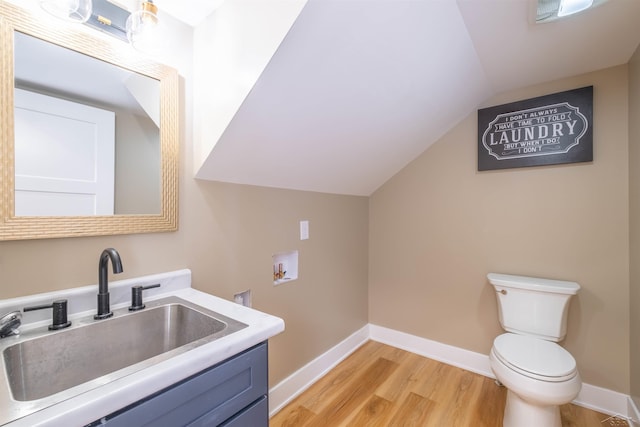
136, 296
59, 314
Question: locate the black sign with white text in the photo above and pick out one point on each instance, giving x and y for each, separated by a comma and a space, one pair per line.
547, 130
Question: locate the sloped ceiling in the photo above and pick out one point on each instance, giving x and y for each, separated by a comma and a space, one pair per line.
359, 88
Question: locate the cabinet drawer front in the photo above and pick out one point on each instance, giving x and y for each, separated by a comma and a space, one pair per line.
219, 392
256, 415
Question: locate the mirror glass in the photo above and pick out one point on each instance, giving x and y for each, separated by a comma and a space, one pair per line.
88, 133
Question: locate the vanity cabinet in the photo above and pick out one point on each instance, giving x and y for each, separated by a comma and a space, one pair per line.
232, 393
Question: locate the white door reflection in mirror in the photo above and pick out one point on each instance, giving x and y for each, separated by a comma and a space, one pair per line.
53, 70
64, 157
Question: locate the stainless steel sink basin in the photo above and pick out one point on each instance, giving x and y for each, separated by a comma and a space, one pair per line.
104, 350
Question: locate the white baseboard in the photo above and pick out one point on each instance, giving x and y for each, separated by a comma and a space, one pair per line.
465, 359
634, 413
603, 400
592, 397
292, 386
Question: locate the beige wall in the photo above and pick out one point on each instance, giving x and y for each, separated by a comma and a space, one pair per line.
439, 226
233, 231
227, 235
634, 221
137, 183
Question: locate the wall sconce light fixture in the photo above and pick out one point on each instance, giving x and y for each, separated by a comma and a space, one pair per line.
69, 10
142, 27
139, 28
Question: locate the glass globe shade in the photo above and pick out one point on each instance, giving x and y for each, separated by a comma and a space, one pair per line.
69, 10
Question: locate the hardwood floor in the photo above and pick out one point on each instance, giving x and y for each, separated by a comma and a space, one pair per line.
380, 386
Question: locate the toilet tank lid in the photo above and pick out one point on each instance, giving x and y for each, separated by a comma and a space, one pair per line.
534, 283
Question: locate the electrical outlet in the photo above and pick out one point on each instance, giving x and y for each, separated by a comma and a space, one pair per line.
243, 298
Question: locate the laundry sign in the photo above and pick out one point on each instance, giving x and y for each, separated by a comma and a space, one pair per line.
547, 130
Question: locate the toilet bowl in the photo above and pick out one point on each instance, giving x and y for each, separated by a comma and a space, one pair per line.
539, 375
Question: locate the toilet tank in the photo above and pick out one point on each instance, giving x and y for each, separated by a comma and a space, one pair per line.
533, 306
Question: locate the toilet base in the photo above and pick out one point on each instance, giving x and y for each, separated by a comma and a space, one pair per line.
519, 413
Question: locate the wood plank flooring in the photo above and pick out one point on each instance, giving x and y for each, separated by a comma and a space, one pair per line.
382, 386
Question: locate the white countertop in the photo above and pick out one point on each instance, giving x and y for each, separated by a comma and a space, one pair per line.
102, 400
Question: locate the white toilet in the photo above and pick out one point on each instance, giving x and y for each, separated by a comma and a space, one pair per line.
538, 373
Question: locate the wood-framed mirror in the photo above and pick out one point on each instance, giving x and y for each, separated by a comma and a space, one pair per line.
49, 159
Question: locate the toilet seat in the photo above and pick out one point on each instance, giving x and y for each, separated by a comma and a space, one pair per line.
535, 358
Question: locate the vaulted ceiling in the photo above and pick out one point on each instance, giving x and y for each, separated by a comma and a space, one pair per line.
359, 88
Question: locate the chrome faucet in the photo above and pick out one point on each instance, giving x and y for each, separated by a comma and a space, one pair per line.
103, 281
